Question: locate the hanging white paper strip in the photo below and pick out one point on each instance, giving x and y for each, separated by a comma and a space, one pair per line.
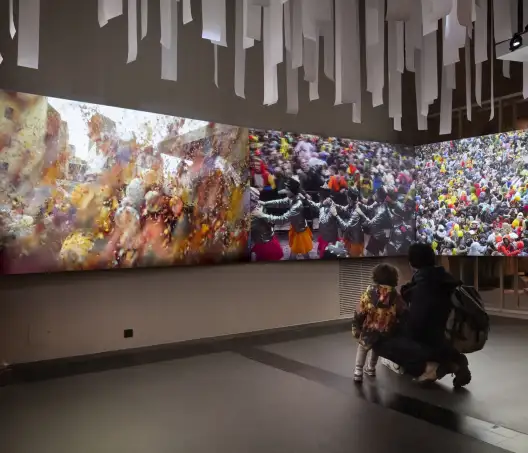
187, 12
240, 52
481, 32
276, 32
292, 74
525, 64
430, 68
347, 52
132, 31
502, 21
166, 23
313, 91
214, 21
446, 102
395, 83
492, 65
506, 69
169, 54
465, 12
432, 12
254, 21
400, 47
478, 84
12, 29
421, 119
327, 30
297, 33
399, 10
467, 58
310, 59
355, 81
271, 94
398, 123
371, 22
376, 55
1, 58
215, 47
144, 18
28, 33
454, 37
409, 47
108, 9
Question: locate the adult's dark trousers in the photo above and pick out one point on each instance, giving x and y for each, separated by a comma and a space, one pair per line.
411, 356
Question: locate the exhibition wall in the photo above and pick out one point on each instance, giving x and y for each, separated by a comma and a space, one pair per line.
82, 312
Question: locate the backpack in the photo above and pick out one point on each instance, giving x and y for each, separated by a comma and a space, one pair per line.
468, 324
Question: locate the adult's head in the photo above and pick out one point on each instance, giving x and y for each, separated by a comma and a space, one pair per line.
421, 256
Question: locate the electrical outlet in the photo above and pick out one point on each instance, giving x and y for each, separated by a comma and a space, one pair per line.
128, 333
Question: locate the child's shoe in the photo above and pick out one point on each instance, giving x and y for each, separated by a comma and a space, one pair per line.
358, 375
370, 371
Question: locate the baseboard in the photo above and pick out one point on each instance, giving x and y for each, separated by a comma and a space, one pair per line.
93, 363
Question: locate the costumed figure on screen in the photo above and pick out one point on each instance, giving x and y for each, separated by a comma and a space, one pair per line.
352, 222
379, 225
328, 224
264, 244
300, 236
402, 234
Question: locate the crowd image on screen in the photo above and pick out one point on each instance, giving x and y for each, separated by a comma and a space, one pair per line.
473, 196
315, 197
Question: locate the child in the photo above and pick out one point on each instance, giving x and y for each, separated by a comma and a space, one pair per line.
376, 315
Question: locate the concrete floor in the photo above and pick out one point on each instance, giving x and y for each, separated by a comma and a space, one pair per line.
246, 401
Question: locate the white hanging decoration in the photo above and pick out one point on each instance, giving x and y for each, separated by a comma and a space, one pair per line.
214, 27
422, 119
240, 51
253, 28
375, 49
109, 9
215, 76
465, 10
413, 36
12, 28
525, 64
169, 33
446, 101
144, 18
432, 12
430, 68
132, 31
395, 76
327, 31
292, 74
492, 65
502, 21
399, 10
481, 45
454, 36
297, 33
28, 33
271, 59
467, 59
186, 12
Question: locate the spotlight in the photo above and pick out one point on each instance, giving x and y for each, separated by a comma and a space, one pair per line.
516, 42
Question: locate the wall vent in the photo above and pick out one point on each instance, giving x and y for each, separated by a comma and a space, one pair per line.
354, 277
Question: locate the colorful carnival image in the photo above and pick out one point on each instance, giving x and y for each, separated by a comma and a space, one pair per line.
85, 186
473, 195
314, 197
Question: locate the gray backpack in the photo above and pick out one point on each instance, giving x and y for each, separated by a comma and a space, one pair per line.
468, 324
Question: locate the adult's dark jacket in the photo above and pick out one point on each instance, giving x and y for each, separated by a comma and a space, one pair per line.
428, 295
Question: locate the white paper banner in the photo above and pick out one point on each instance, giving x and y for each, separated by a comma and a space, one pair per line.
166, 23
372, 32
132, 31
478, 84
169, 53
246, 41
421, 119
395, 82
186, 11
214, 21
108, 9
1, 58
399, 10
297, 33
454, 37
465, 12
347, 50
376, 54
491, 56
506, 69
432, 12
400, 47
327, 29
313, 92
271, 92
292, 74
398, 123
309, 23
467, 59
481, 32
502, 21
311, 59
525, 64
430, 68
409, 47
28, 33
144, 18
276, 32
12, 29
215, 76
240, 52
446, 102
254, 21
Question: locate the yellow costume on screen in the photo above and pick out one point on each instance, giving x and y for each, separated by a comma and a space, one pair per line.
300, 243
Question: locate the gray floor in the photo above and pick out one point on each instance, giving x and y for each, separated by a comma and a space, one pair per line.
215, 403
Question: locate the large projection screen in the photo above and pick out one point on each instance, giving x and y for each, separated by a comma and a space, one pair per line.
316, 197
472, 197
86, 186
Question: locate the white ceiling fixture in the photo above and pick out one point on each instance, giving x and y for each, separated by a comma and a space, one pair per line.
291, 32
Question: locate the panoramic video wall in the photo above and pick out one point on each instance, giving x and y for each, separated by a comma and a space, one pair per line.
318, 197
87, 186
472, 196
